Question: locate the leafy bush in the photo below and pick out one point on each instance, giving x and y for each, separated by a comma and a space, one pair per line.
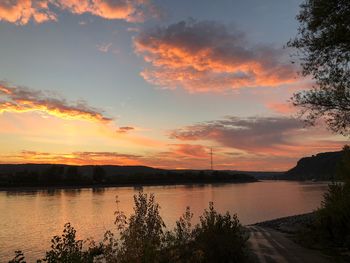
219, 238
143, 238
142, 235
19, 257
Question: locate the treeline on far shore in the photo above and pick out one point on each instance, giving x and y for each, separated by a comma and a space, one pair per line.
36, 175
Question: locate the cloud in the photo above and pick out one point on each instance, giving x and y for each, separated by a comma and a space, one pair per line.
282, 108
22, 99
22, 11
104, 47
125, 129
133, 29
77, 158
279, 136
202, 56
190, 150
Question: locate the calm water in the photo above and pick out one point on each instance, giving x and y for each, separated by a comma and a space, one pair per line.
28, 220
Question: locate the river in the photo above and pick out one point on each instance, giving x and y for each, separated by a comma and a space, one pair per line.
28, 219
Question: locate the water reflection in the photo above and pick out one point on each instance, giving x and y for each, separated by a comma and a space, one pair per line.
98, 190
72, 192
28, 219
138, 188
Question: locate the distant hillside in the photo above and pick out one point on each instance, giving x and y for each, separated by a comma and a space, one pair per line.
319, 167
58, 175
85, 169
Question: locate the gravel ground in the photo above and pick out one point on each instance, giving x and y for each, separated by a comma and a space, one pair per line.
289, 224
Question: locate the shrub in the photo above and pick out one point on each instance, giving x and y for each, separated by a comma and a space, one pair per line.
66, 249
143, 238
217, 238
220, 238
142, 235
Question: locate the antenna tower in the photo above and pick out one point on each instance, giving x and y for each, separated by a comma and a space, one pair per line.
211, 158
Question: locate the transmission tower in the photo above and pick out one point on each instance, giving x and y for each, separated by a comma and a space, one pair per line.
211, 158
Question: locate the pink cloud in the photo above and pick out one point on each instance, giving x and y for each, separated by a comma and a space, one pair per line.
75, 158
283, 108
125, 129
207, 56
22, 11
21, 99
191, 150
272, 136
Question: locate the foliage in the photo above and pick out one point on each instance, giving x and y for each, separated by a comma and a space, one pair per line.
19, 257
220, 238
67, 249
36, 175
143, 238
334, 217
99, 174
180, 241
332, 225
142, 235
323, 44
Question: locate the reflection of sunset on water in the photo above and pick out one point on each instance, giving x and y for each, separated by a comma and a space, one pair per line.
39, 215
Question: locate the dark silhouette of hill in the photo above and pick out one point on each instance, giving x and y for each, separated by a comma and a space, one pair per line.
58, 175
321, 166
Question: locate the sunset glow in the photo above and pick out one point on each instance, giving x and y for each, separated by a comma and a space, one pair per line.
156, 83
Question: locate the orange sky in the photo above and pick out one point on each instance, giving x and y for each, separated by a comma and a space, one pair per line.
141, 82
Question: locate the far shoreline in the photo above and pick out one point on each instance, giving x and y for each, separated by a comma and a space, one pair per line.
140, 185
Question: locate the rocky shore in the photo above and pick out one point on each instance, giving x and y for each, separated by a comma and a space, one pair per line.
289, 224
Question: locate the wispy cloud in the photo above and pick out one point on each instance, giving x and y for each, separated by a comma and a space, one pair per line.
202, 56
282, 108
104, 47
190, 150
77, 158
22, 99
22, 11
278, 136
125, 129
133, 29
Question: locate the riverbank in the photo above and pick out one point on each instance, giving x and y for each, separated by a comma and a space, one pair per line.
269, 245
294, 227
276, 240
289, 224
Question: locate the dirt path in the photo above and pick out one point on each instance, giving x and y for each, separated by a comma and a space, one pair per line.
269, 246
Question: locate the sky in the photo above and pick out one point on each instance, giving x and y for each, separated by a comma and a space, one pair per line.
153, 82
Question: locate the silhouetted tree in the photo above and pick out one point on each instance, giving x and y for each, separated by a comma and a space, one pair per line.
142, 234
323, 44
53, 175
98, 174
72, 175
220, 238
19, 257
